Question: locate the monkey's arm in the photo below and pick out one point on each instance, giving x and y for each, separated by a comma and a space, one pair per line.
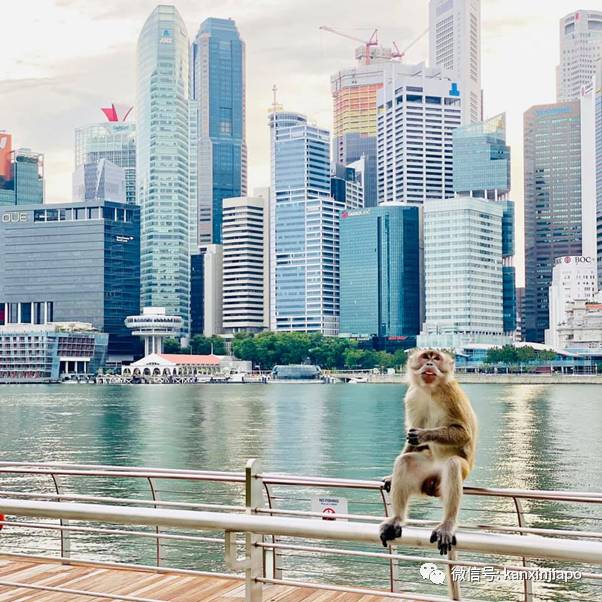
454, 434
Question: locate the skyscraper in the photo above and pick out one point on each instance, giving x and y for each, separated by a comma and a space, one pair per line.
162, 149
354, 94
304, 241
21, 174
99, 181
463, 273
113, 140
580, 52
418, 110
218, 85
380, 285
482, 169
455, 45
552, 164
591, 169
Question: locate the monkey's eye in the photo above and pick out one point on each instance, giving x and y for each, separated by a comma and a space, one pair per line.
437, 358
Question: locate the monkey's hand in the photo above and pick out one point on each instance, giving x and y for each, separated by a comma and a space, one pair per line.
416, 436
445, 537
387, 483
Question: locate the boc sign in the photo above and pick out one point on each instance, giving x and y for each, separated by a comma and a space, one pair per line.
327, 506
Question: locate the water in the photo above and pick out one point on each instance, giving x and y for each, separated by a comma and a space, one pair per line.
536, 437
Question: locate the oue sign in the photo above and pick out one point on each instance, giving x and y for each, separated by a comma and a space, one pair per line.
14, 217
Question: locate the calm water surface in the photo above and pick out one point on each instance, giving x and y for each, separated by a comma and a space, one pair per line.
536, 437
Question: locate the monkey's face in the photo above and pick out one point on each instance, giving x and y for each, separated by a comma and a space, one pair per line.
430, 367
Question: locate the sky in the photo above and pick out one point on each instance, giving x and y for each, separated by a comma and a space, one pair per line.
62, 60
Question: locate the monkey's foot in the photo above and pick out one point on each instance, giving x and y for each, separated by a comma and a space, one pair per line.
389, 530
445, 538
387, 484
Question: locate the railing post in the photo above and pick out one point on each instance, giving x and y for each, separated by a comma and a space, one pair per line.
271, 556
65, 535
453, 587
154, 493
254, 553
520, 515
393, 563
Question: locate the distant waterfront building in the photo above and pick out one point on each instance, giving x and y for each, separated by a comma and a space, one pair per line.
573, 279
46, 353
162, 167
581, 331
21, 174
591, 169
354, 94
380, 271
418, 110
346, 184
304, 239
246, 264
552, 203
113, 140
72, 262
218, 85
213, 270
99, 181
153, 326
197, 294
580, 51
463, 273
482, 169
455, 45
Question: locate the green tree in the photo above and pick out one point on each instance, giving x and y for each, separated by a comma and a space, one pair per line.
171, 346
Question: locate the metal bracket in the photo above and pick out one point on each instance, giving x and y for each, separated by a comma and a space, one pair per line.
232, 561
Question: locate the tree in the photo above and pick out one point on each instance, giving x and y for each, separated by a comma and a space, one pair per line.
171, 346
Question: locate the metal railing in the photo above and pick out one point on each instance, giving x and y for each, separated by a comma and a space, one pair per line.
269, 527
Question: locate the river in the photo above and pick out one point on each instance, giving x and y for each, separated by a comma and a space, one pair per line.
531, 436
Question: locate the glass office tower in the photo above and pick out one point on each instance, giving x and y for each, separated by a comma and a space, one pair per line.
162, 149
380, 286
553, 228
304, 220
218, 85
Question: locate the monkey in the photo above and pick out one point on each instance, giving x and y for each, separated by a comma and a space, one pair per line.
440, 450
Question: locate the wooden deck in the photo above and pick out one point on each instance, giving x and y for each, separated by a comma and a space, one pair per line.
141, 584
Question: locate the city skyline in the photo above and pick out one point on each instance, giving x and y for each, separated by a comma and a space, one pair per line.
104, 69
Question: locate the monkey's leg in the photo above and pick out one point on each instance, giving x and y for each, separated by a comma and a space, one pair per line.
451, 495
409, 472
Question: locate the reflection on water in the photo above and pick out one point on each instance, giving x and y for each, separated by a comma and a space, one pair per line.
536, 437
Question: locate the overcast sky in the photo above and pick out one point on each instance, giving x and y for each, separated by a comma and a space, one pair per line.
61, 60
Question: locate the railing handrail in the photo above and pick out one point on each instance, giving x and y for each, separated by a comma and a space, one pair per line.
73, 469
511, 545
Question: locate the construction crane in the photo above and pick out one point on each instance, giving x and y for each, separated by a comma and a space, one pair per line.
399, 54
370, 42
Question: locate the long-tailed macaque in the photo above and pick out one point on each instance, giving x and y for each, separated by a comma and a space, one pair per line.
440, 449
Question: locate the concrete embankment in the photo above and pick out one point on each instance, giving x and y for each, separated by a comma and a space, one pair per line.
503, 379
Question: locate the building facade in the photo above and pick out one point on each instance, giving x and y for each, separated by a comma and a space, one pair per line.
218, 86
102, 180
354, 95
573, 279
482, 170
213, 272
162, 167
418, 110
304, 239
21, 174
76, 262
581, 331
463, 273
380, 271
552, 203
347, 184
47, 353
113, 140
455, 45
591, 169
580, 51
246, 265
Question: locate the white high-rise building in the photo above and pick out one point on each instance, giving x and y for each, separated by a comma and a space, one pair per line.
455, 45
246, 264
418, 110
574, 278
580, 52
463, 273
162, 169
213, 262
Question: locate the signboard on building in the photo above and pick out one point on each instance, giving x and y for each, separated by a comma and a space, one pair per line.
328, 506
6, 147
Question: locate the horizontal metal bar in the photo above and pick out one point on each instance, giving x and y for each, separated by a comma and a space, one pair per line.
358, 590
511, 545
74, 592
